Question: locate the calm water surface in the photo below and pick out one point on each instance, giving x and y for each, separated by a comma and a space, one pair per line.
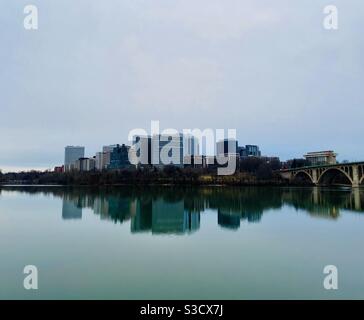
178, 243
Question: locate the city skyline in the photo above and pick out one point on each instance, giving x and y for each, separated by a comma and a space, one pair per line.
158, 151
221, 147
269, 70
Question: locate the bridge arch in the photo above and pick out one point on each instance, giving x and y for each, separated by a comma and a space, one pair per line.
332, 173
361, 180
303, 173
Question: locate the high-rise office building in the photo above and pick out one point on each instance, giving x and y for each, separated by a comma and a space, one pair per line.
109, 148
191, 149
140, 152
167, 150
249, 151
72, 154
119, 157
226, 147
191, 146
252, 150
102, 160
84, 164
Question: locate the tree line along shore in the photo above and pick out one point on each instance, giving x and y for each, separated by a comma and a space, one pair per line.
252, 172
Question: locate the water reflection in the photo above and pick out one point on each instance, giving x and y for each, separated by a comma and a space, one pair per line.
71, 210
175, 210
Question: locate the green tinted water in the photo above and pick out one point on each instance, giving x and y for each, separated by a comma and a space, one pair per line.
178, 243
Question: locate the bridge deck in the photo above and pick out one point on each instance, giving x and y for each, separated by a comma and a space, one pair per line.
324, 166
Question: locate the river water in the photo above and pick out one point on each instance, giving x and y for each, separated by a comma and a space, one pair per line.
181, 243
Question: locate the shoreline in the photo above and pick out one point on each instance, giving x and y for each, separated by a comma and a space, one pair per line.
152, 179
257, 185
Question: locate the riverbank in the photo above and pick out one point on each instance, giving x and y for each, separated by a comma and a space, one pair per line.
139, 177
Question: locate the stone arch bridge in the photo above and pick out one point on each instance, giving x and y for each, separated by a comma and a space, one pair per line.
326, 175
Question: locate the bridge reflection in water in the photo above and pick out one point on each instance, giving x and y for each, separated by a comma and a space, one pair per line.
176, 210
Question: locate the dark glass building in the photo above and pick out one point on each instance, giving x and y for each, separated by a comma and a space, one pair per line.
226, 147
119, 157
252, 151
249, 151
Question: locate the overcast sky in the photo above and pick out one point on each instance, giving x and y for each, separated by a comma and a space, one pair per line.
94, 70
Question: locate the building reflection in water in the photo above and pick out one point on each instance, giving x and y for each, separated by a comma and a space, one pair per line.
228, 219
177, 210
160, 217
70, 210
142, 221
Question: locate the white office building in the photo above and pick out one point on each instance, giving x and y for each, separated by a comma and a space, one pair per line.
167, 149
102, 160
191, 145
84, 164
